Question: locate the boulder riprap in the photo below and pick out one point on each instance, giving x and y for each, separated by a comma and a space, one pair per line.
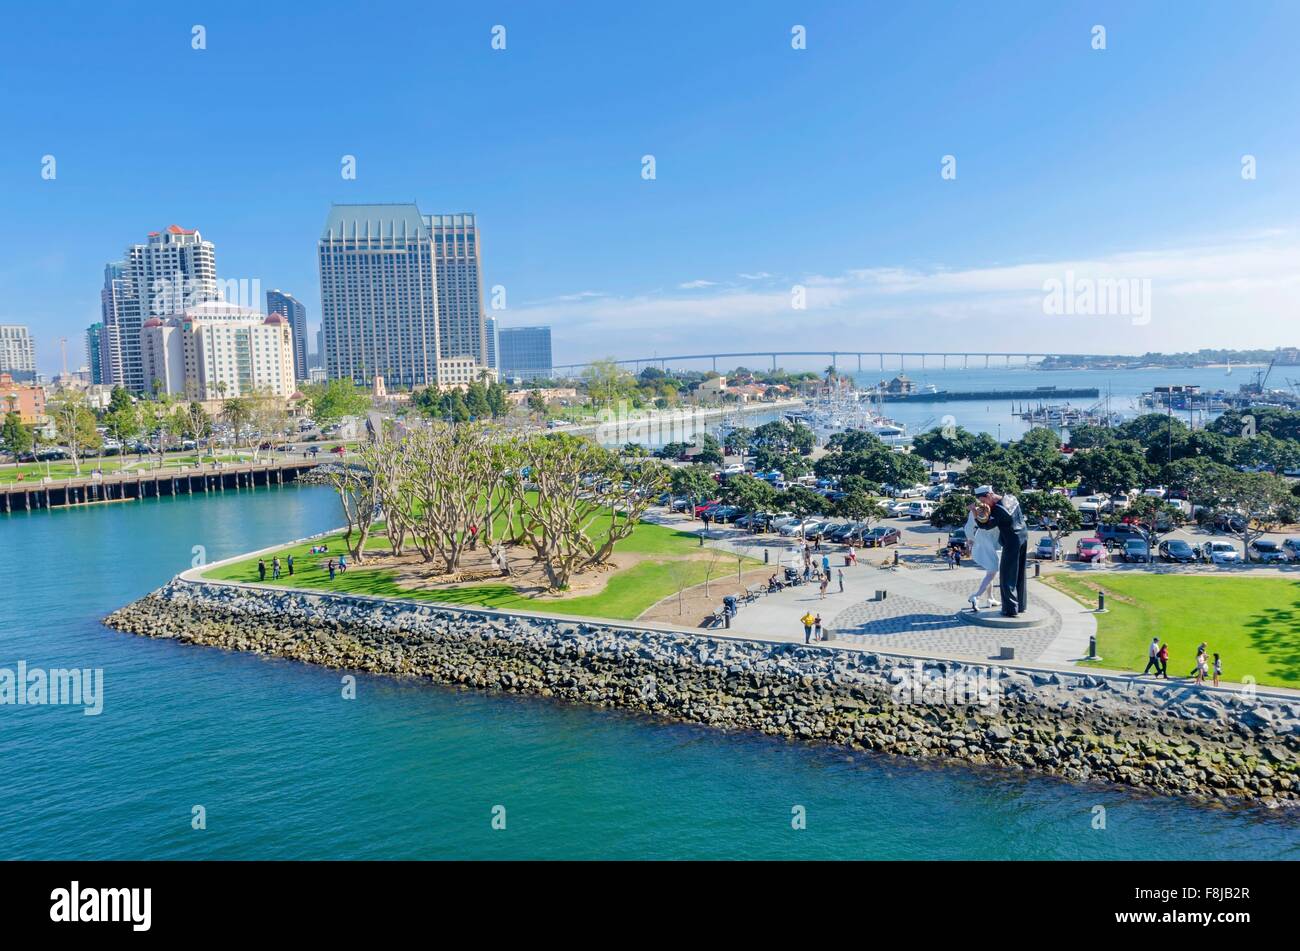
1168, 738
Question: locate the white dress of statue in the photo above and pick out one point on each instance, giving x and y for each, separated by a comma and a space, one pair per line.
986, 552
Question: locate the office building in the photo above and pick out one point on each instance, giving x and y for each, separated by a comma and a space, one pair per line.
490, 327
215, 351
17, 353
461, 330
94, 351
25, 399
524, 352
278, 302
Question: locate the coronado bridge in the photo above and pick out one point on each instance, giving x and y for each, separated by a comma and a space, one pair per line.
840, 359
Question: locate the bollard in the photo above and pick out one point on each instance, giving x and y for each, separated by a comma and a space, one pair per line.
765, 556
895, 556
726, 619
1092, 647
1038, 568
701, 539
1101, 600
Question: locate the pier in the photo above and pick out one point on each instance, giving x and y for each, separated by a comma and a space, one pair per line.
150, 483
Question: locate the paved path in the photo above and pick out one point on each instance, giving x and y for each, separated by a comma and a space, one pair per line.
921, 612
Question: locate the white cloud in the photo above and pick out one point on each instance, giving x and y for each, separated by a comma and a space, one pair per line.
1243, 292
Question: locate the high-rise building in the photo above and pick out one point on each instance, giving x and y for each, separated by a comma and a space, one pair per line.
379, 311
17, 353
524, 352
491, 329
461, 330
400, 291
175, 269
216, 350
278, 302
94, 351
318, 358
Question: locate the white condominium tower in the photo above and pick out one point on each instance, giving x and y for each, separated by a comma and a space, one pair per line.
17, 352
174, 270
216, 351
399, 291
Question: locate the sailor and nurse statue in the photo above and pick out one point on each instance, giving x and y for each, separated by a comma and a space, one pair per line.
999, 545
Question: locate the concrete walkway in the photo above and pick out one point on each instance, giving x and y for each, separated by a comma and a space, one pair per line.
921, 613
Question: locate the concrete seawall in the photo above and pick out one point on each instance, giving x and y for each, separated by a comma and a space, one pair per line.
1085, 726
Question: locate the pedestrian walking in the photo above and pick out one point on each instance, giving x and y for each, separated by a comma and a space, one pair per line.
261, 569
839, 574
826, 565
817, 628
807, 621
1200, 658
853, 555
1218, 669
289, 561
275, 568
343, 563
1153, 656
330, 566
1202, 668
1164, 661
823, 588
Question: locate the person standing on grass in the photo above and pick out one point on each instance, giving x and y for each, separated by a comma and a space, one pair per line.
1218, 669
329, 565
288, 560
1153, 656
275, 568
807, 621
261, 569
1164, 661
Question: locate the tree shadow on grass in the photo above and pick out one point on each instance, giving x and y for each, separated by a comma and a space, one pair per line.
1275, 632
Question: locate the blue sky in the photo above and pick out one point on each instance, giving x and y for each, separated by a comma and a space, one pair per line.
775, 167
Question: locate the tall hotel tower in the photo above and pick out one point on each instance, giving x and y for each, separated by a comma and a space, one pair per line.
176, 269
278, 302
400, 293
379, 312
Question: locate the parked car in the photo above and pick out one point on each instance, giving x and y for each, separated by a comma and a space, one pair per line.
799, 527
724, 513
1114, 535
702, 507
1267, 552
920, 508
1292, 548
1227, 522
1047, 548
1136, 551
1177, 551
903, 491
1220, 553
736, 468
1091, 550
839, 533
899, 508
880, 536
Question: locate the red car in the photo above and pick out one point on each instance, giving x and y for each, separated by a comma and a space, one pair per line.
705, 506
1091, 549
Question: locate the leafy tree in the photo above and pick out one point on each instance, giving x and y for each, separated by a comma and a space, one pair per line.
537, 402
692, 482
801, 502
16, 438
943, 445
74, 424
332, 401
1055, 513
861, 507
951, 512
749, 493
1262, 500
1113, 469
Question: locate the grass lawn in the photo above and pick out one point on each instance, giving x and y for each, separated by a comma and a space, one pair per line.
64, 469
1253, 622
670, 558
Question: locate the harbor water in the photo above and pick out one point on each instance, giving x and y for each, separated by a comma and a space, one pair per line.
282, 766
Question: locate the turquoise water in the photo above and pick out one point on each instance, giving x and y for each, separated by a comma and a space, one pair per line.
285, 768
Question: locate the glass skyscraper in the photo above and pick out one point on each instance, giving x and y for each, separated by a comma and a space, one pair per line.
278, 302
525, 352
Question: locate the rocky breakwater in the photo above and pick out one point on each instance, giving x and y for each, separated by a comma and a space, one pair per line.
1166, 738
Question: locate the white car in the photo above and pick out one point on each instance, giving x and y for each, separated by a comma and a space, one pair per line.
904, 491
920, 509
899, 508
798, 527
1156, 491
1292, 548
1221, 553
735, 468
783, 521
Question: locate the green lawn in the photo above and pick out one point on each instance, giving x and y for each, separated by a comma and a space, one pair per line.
672, 558
1253, 622
64, 469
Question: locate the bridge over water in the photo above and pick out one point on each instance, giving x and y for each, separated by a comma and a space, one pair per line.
836, 358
